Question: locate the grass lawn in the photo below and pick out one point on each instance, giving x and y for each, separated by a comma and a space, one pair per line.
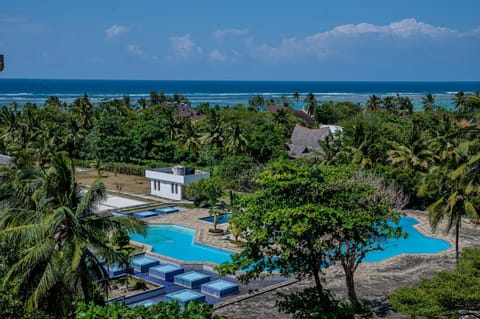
128, 183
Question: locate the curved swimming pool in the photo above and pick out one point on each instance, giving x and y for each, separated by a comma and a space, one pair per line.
178, 242
416, 243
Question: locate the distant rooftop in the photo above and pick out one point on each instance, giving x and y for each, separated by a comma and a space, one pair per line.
6, 160
305, 141
185, 111
177, 170
300, 114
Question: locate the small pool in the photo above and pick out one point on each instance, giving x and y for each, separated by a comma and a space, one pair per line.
177, 242
154, 212
220, 219
145, 214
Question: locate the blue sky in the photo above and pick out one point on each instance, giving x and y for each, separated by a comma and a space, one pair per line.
241, 40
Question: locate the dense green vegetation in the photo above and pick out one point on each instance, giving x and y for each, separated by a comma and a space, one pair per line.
161, 311
450, 294
388, 155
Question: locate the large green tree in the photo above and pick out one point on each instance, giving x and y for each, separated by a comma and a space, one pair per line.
305, 217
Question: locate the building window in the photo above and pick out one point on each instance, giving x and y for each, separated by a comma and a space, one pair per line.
158, 185
176, 188
155, 185
172, 188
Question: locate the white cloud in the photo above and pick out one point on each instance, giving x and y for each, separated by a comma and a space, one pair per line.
183, 46
216, 55
326, 43
404, 28
115, 31
136, 50
221, 33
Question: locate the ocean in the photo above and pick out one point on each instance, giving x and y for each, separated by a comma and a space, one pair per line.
224, 93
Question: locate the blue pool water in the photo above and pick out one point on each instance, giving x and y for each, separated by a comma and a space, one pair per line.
416, 243
220, 219
177, 242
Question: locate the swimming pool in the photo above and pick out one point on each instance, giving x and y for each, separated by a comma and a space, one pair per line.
220, 219
178, 242
416, 243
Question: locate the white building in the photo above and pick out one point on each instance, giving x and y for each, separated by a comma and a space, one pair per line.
171, 182
333, 128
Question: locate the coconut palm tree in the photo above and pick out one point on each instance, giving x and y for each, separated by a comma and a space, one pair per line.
454, 202
58, 238
405, 104
416, 156
236, 142
296, 96
455, 184
460, 101
281, 117
389, 103
83, 109
189, 137
310, 103
214, 135
428, 102
373, 103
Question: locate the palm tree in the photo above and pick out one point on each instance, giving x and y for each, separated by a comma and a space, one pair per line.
142, 102
310, 103
405, 104
453, 203
373, 103
57, 236
389, 103
456, 185
236, 142
296, 96
416, 156
171, 120
214, 135
460, 101
428, 102
98, 165
189, 137
281, 117
83, 109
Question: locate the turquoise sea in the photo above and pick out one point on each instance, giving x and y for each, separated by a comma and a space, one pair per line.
224, 92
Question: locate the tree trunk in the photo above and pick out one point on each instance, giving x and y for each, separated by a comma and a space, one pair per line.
457, 231
352, 295
318, 283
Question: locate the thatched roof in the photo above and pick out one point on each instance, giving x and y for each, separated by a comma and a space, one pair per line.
189, 112
300, 114
304, 141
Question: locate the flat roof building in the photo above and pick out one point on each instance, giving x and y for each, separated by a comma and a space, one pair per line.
171, 182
